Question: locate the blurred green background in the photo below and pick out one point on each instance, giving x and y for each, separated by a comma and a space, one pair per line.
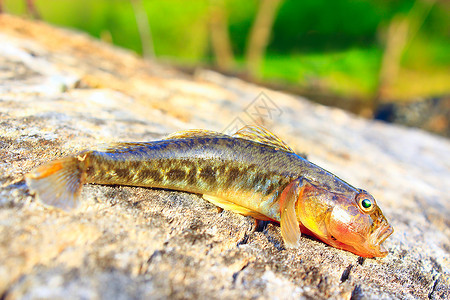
365, 51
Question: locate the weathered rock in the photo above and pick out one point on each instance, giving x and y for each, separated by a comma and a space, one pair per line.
61, 92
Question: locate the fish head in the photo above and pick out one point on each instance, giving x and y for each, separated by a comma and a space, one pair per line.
358, 225
353, 221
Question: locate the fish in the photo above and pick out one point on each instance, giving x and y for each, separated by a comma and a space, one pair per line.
251, 172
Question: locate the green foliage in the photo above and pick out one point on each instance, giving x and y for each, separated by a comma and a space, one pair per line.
241, 16
349, 72
333, 44
179, 28
324, 25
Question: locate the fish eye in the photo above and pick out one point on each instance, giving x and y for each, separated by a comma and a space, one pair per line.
366, 204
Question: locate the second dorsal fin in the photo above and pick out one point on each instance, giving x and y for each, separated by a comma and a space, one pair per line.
263, 136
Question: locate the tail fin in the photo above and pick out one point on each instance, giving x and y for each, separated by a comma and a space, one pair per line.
58, 183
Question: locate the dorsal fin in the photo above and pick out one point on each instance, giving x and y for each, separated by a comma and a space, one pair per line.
194, 133
263, 136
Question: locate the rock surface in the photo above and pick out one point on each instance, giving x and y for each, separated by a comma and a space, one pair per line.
61, 92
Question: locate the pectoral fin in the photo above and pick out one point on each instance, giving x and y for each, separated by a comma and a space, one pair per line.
290, 227
227, 205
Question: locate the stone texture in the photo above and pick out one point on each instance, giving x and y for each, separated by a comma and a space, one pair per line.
61, 92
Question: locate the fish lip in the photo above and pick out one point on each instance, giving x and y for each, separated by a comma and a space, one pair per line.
379, 236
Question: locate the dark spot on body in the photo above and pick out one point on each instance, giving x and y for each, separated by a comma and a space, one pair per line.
191, 175
135, 165
232, 176
208, 174
151, 174
123, 173
176, 175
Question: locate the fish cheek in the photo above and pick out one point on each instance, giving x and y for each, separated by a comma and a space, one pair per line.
348, 225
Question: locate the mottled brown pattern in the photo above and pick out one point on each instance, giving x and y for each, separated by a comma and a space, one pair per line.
191, 175
208, 175
123, 173
214, 165
232, 176
150, 175
176, 175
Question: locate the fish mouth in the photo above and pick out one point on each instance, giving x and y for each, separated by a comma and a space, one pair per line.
378, 237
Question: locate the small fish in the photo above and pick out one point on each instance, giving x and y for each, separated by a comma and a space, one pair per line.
251, 172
